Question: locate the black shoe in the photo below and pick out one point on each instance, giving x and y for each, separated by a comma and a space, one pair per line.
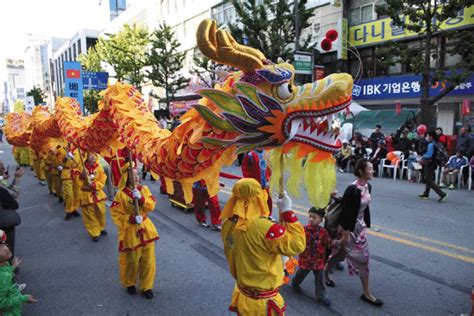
95, 239
217, 228
60, 200
68, 217
76, 214
103, 233
131, 290
296, 287
148, 294
377, 302
444, 197
55, 195
152, 179
330, 283
423, 197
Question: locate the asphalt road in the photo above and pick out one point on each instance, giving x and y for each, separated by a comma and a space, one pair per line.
422, 258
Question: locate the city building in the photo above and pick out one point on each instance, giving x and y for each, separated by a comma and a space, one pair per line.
15, 86
36, 63
69, 51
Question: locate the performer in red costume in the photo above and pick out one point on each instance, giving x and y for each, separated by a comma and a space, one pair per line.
201, 196
254, 165
116, 161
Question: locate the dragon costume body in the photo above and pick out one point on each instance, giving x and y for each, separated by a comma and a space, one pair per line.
256, 106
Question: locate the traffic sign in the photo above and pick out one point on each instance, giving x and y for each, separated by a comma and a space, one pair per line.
303, 63
95, 80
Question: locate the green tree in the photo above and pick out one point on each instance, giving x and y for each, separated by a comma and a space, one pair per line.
90, 61
125, 51
270, 26
426, 18
37, 95
165, 62
204, 69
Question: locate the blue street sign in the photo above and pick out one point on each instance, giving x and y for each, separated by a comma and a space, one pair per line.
73, 82
407, 86
95, 80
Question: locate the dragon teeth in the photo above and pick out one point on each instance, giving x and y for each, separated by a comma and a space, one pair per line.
295, 125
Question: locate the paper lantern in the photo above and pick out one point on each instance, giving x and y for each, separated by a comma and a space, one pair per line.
421, 129
326, 44
332, 35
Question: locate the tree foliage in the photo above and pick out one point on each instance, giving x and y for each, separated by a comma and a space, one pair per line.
91, 61
125, 51
165, 61
205, 70
270, 26
426, 18
37, 94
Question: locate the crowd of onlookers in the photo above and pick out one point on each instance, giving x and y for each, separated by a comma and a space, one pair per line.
402, 150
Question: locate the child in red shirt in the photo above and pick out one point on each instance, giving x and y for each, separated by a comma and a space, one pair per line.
314, 256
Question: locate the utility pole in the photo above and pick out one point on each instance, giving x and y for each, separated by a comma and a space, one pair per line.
297, 26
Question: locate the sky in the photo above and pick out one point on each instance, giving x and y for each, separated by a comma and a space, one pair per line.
51, 18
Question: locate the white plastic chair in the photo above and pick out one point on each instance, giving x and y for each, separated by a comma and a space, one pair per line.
460, 175
469, 180
395, 167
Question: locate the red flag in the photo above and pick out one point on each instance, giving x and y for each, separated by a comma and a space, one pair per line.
73, 73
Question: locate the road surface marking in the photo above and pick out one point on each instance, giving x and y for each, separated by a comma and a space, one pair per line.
301, 210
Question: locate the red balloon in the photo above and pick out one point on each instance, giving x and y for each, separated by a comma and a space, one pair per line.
332, 35
326, 44
421, 129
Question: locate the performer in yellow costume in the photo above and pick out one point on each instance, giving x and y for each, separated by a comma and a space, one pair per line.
136, 234
47, 166
56, 170
93, 197
76, 181
254, 245
37, 164
67, 181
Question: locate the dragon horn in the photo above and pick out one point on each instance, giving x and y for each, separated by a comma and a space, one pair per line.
221, 47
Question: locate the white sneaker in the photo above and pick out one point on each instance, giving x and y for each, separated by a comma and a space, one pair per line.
442, 185
21, 286
341, 170
452, 187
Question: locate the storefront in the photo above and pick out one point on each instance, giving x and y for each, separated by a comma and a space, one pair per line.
385, 92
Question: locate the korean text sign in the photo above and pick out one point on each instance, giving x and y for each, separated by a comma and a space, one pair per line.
383, 30
400, 87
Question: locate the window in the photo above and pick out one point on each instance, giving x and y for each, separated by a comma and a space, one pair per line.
354, 16
367, 13
79, 51
224, 13
362, 14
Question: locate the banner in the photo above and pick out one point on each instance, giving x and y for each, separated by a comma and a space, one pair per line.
383, 30
403, 87
73, 82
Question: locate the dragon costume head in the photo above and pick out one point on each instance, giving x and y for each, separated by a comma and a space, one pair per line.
263, 107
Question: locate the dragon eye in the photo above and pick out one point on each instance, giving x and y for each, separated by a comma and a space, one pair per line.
284, 91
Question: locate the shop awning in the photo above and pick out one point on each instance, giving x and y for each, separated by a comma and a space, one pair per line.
365, 121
